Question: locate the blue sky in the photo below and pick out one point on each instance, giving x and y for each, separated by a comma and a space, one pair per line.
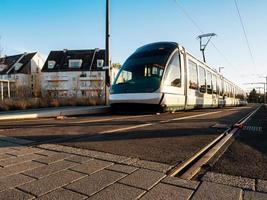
44, 25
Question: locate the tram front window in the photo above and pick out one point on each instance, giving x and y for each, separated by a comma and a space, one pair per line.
142, 72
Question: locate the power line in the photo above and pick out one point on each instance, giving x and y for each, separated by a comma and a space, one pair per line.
201, 31
244, 31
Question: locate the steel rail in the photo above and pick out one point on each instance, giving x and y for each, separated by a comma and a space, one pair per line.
190, 167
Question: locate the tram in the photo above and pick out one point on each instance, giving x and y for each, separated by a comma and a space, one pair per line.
166, 77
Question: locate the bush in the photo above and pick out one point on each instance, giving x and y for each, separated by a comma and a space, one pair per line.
22, 104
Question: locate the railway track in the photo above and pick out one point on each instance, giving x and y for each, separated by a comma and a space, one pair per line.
192, 166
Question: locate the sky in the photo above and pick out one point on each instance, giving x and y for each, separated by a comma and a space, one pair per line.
45, 25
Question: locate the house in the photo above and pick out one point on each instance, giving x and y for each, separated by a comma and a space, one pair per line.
74, 73
23, 72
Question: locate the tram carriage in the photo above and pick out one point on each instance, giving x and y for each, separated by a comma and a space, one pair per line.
166, 77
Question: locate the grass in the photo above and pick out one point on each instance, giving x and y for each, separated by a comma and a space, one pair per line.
22, 104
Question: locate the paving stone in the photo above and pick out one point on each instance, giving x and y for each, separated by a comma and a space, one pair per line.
25, 151
20, 159
119, 192
79, 159
94, 183
53, 158
5, 156
262, 186
62, 194
12, 194
180, 182
167, 192
85, 152
47, 152
129, 161
143, 178
46, 170
236, 181
91, 166
122, 168
50, 183
21, 167
250, 195
214, 191
110, 157
13, 181
4, 149
161, 167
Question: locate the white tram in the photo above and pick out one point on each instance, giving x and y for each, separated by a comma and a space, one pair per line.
165, 76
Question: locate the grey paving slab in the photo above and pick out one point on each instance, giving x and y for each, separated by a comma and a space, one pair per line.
236, 181
21, 167
53, 158
91, 166
214, 191
25, 151
13, 194
250, 195
143, 178
5, 156
4, 149
167, 192
85, 152
129, 161
46, 152
94, 183
47, 170
161, 167
62, 194
79, 159
20, 159
181, 182
118, 192
262, 185
122, 168
13, 181
50, 183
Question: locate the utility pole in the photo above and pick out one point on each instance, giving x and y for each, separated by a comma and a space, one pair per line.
203, 44
107, 52
265, 89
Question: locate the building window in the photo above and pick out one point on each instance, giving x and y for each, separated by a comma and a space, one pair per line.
75, 63
192, 68
173, 73
51, 64
202, 79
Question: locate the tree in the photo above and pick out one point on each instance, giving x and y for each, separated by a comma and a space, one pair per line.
255, 97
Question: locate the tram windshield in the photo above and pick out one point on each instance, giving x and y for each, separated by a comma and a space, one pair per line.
142, 72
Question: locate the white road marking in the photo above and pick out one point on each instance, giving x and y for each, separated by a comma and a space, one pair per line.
109, 119
127, 128
150, 124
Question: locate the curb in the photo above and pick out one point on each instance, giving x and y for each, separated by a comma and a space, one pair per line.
55, 113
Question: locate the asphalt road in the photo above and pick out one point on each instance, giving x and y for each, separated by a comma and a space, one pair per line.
247, 155
166, 138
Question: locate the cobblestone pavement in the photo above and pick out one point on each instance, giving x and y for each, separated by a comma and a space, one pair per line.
51, 171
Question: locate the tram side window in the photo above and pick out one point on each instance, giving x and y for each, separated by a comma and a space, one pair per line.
214, 84
219, 87
202, 79
173, 77
209, 83
192, 67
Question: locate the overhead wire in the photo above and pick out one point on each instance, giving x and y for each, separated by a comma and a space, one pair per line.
201, 31
244, 32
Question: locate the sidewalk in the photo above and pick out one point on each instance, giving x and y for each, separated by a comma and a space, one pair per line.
51, 171
52, 112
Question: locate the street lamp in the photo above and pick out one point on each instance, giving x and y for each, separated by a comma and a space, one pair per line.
203, 44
